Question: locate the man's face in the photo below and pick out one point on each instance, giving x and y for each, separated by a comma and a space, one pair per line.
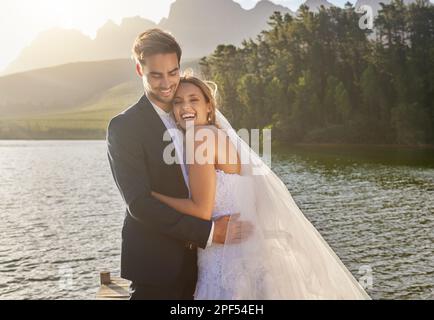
161, 77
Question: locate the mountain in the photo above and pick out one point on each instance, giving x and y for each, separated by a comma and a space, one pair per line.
115, 42
199, 25
72, 101
67, 87
53, 47
59, 46
60, 88
213, 22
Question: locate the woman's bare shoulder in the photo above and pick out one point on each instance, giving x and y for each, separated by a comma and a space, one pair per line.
211, 130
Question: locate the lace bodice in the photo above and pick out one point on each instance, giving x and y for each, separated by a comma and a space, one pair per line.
225, 200
209, 285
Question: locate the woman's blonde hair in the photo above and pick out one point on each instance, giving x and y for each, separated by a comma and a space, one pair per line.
209, 94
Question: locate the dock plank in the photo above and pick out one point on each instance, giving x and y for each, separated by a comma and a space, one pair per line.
113, 288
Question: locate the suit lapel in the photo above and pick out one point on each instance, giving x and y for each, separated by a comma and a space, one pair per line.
157, 127
152, 119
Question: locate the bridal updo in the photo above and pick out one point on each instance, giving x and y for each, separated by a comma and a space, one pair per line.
209, 93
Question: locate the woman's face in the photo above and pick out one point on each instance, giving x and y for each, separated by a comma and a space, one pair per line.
190, 106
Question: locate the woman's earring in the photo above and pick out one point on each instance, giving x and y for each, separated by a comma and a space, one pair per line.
209, 118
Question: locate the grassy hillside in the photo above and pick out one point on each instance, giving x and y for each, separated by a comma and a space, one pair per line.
60, 88
86, 121
70, 102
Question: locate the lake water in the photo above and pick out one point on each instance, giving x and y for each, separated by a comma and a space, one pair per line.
61, 215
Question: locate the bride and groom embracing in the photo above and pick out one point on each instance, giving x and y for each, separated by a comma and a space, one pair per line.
223, 229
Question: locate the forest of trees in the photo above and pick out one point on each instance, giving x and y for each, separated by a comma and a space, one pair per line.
320, 78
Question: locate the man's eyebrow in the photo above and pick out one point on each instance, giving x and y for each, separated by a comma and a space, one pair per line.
155, 73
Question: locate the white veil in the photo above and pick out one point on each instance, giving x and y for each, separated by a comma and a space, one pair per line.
285, 258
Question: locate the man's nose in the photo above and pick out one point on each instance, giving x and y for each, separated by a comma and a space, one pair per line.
165, 83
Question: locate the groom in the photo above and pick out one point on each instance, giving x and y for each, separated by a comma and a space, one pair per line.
159, 244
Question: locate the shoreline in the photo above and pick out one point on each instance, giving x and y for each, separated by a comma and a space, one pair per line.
350, 145
277, 145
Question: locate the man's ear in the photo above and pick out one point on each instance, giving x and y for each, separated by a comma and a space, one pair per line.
139, 70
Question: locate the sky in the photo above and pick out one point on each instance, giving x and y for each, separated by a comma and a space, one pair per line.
22, 20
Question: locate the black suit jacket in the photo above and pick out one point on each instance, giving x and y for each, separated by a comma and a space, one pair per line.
155, 238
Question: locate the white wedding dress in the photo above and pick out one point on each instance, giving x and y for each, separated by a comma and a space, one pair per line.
284, 259
224, 274
210, 261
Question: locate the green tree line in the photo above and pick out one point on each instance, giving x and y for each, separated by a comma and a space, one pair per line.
320, 78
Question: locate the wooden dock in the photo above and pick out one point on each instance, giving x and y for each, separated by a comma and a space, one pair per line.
113, 288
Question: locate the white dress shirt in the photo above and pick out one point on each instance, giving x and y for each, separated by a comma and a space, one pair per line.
177, 138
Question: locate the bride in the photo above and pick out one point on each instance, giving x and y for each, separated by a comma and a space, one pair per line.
284, 256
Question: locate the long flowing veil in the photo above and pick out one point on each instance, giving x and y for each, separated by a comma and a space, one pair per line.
285, 258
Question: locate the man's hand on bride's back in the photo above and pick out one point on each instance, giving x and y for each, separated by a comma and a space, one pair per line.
231, 230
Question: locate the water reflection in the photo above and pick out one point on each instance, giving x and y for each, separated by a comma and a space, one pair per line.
372, 213
61, 215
